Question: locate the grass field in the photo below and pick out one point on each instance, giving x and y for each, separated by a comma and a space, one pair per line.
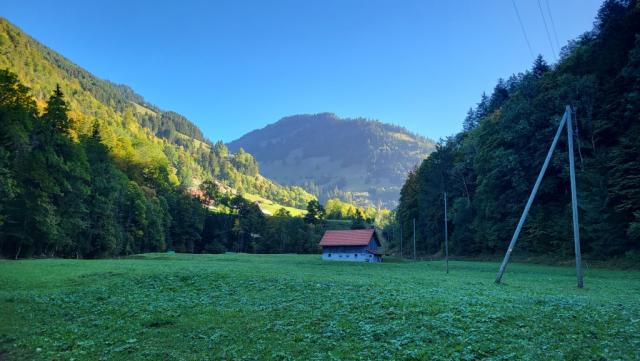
283, 307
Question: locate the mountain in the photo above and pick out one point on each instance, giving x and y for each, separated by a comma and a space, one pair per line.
360, 161
146, 136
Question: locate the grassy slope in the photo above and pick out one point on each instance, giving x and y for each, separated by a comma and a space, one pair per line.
298, 307
270, 207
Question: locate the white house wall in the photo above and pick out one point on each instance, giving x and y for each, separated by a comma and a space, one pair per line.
353, 257
350, 257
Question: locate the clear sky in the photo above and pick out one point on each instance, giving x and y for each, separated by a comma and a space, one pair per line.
234, 66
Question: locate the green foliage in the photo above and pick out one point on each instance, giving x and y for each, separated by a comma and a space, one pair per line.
488, 170
102, 173
56, 113
17, 111
358, 221
245, 163
315, 212
159, 306
211, 192
69, 198
156, 145
337, 209
73, 198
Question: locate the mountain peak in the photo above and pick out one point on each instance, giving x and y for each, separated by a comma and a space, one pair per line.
359, 160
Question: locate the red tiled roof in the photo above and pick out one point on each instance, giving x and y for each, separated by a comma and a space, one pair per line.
356, 237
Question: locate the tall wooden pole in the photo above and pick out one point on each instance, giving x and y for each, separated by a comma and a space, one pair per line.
574, 199
446, 235
401, 255
414, 238
532, 196
393, 235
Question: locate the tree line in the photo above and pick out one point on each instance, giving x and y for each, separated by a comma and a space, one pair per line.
488, 169
65, 194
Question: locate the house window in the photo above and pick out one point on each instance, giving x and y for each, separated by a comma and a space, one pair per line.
355, 255
329, 255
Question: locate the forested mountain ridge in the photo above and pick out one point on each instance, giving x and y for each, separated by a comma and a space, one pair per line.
64, 194
489, 168
132, 128
88, 169
358, 160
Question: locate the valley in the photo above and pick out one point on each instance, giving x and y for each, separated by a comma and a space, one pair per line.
239, 306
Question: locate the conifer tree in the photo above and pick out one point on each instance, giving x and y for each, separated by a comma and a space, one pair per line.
56, 114
315, 212
359, 221
540, 67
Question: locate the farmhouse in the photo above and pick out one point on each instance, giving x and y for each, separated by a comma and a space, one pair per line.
360, 245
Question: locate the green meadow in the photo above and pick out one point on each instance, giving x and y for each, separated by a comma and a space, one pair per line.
297, 307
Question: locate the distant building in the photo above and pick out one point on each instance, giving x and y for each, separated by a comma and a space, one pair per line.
358, 245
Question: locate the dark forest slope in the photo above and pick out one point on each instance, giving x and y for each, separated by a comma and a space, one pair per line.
491, 166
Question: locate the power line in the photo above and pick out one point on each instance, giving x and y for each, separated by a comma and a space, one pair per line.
546, 29
553, 24
524, 32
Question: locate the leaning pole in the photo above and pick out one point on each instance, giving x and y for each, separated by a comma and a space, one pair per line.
566, 120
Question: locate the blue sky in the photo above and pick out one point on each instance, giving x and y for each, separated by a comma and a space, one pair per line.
234, 66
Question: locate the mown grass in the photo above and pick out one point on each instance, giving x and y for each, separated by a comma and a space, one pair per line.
283, 307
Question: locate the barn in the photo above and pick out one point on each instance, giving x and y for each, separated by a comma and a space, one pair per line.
358, 245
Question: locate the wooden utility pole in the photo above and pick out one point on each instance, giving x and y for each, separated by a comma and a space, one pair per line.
393, 235
574, 199
401, 239
566, 120
414, 238
446, 235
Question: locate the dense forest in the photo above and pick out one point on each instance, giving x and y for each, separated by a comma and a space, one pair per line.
69, 195
88, 169
489, 168
137, 132
359, 161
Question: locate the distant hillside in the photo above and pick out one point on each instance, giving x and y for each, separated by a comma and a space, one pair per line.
361, 161
134, 129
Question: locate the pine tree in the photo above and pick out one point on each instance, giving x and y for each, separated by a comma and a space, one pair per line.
56, 114
470, 121
315, 212
499, 96
359, 221
540, 67
107, 185
482, 108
